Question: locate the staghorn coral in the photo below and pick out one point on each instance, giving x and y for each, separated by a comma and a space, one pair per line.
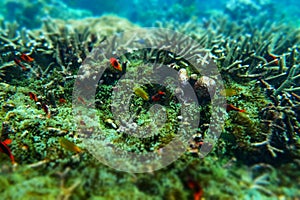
251, 57
57, 46
245, 57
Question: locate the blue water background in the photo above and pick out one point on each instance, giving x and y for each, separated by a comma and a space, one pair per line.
146, 13
133, 9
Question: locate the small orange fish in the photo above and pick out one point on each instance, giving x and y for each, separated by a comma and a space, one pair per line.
197, 189
26, 58
158, 96
62, 100
115, 64
5, 149
231, 107
33, 96
46, 110
18, 62
81, 100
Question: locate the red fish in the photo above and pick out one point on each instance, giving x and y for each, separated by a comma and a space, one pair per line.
272, 58
46, 110
33, 96
231, 107
81, 100
5, 149
18, 62
158, 96
197, 189
115, 64
26, 58
62, 100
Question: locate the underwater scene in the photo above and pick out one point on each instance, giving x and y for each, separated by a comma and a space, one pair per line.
151, 100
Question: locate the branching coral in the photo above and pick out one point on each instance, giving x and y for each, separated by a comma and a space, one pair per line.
56, 46
293, 74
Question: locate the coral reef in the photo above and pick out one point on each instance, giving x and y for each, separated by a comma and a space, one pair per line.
30, 14
256, 157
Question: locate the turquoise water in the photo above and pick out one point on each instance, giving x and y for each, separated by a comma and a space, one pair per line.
146, 14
